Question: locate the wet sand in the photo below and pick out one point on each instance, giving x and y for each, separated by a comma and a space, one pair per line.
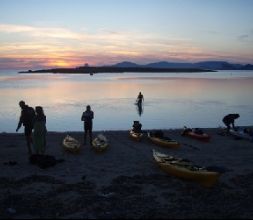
124, 181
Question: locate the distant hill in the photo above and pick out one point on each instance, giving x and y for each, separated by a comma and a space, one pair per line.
165, 64
248, 67
212, 65
126, 64
218, 65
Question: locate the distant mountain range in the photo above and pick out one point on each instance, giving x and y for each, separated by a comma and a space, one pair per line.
212, 65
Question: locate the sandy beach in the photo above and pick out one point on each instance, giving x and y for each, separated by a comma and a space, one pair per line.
124, 181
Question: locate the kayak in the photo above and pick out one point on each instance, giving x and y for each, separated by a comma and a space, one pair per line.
201, 137
185, 169
70, 144
100, 143
164, 141
190, 133
135, 136
240, 134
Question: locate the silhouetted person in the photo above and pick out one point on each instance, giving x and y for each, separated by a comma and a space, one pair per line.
137, 127
40, 130
230, 120
87, 117
140, 98
27, 119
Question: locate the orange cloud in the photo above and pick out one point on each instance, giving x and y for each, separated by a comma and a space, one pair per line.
61, 47
41, 31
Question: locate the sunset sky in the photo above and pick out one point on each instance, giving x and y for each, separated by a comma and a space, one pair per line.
68, 33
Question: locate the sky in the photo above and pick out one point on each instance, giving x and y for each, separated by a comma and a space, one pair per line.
68, 33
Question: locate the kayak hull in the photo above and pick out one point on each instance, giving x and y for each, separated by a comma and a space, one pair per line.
99, 146
201, 137
164, 142
70, 144
136, 136
240, 135
184, 171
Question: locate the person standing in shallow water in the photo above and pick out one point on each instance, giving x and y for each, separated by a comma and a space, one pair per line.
27, 119
40, 130
87, 118
140, 98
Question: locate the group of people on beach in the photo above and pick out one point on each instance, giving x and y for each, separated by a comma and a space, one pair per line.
34, 122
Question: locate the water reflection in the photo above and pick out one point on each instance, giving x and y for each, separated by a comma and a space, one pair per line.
139, 107
169, 102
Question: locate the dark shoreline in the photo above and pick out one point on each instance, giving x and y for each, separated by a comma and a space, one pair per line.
124, 181
110, 69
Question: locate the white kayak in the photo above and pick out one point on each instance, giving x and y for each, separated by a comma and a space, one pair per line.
71, 144
241, 134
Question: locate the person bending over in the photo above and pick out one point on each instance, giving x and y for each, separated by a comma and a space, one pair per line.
230, 120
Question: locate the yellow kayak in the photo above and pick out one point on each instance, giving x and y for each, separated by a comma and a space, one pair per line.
164, 141
136, 136
100, 143
185, 169
71, 144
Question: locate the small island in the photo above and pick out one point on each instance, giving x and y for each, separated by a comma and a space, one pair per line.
163, 66
114, 69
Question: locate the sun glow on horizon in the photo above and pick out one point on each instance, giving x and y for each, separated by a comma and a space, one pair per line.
60, 63
174, 33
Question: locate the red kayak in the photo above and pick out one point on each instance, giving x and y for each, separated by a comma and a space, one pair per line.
198, 134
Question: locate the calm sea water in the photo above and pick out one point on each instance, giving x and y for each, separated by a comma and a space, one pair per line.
171, 100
